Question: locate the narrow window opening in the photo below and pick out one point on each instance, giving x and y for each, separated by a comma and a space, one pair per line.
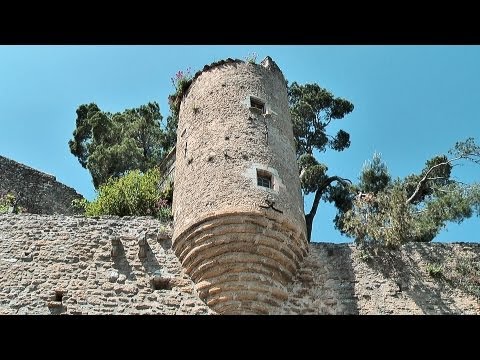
161, 284
58, 295
257, 104
264, 178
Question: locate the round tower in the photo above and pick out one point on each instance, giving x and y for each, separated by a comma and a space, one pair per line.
238, 208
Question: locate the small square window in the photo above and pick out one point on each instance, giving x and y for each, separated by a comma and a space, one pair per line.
264, 179
257, 104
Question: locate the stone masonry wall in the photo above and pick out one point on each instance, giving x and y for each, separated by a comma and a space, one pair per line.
38, 192
343, 279
63, 265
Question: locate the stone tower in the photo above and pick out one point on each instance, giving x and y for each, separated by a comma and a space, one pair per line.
238, 207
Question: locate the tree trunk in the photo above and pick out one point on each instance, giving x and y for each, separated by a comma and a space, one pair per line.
318, 195
309, 221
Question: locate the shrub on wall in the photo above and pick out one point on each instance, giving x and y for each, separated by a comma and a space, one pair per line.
133, 194
8, 204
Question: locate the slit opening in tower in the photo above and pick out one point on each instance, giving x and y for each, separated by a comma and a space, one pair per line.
264, 179
58, 295
257, 104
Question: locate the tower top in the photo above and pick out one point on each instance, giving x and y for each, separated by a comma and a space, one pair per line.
267, 63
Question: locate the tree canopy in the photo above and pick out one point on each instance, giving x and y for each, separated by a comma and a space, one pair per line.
377, 209
313, 108
109, 144
415, 208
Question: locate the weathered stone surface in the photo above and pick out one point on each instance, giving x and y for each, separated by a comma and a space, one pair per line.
113, 276
69, 274
332, 278
36, 191
226, 225
345, 281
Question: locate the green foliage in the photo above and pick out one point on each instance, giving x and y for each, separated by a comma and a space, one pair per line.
365, 255
167, 192
467, 149
342, 198
312, 173
181, 82
312, 109
108, 144
170, 138
438, 177
374, 176
366, 220
134, 194
80, 205
251, 58
415, 208
467, 275
435, 270
8, 204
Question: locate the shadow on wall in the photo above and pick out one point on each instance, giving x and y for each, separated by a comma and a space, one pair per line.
121, 263
340, 281
325, 283
150, 262
418, 271
145, 255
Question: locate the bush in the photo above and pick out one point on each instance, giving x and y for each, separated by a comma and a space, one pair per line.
134, 194
365, 255
181, 82
251, 58
435, 270
8, 204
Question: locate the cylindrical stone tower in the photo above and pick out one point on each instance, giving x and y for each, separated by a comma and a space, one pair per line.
238, 208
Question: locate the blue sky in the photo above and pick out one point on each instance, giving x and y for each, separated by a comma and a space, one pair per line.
411, 103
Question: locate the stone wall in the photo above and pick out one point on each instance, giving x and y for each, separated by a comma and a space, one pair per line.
60, 264
343, 279
38, 192
63, 265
